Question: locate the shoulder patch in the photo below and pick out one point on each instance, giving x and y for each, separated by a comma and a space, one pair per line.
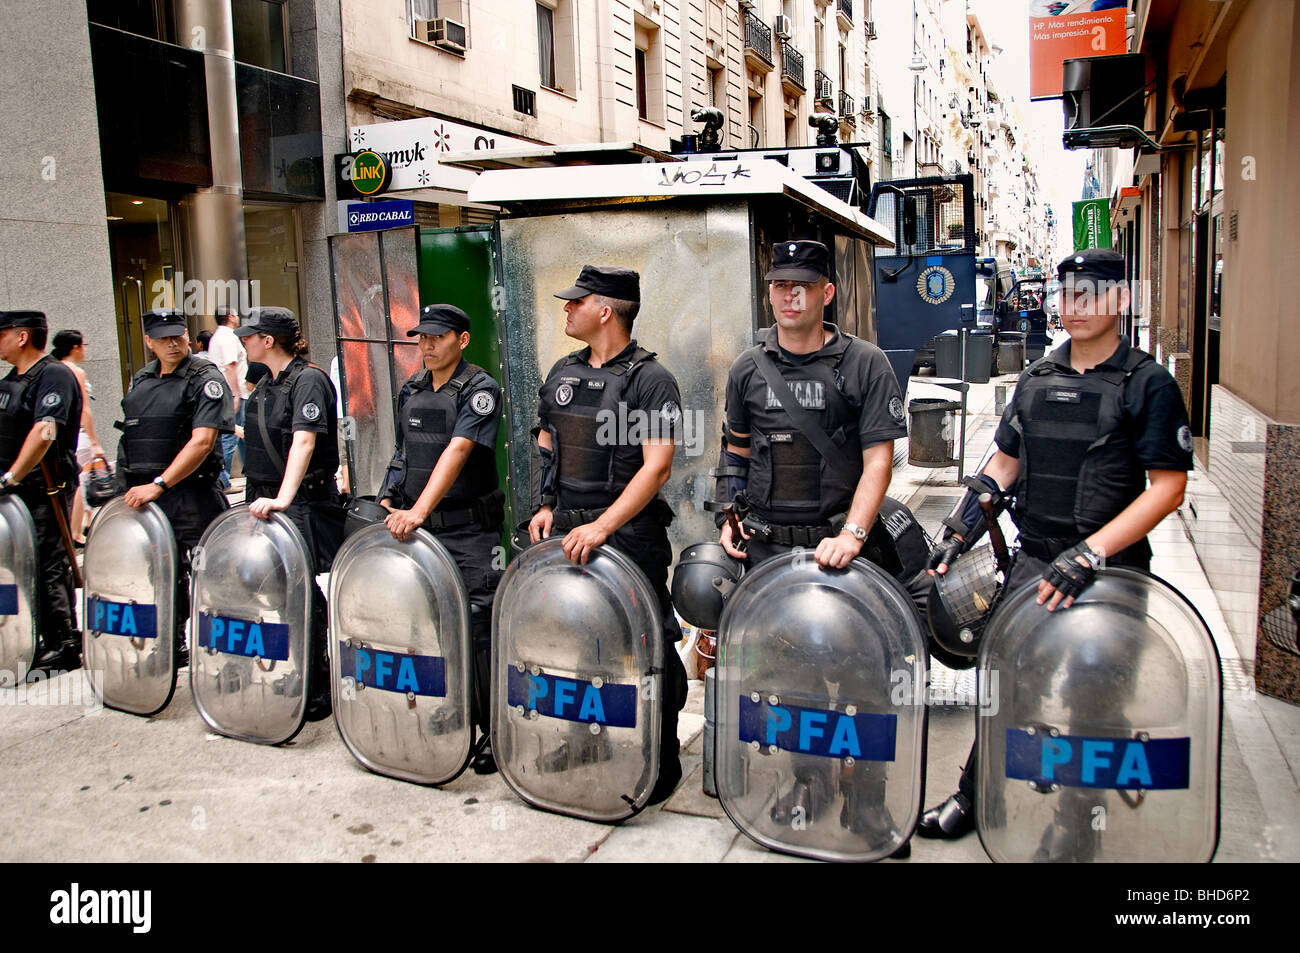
896, 409
51, 400
483, 403
310, 411
213, 389
1185, 437
670, 412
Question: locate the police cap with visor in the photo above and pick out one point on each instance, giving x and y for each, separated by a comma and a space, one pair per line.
1095, 264
439, 319
279, 322
609, 281
164, 323
799, 261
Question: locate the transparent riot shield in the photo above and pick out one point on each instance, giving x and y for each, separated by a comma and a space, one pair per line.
401, 660
821, 679
129, 607
250, 616
577, 657
17, 590
1100, 735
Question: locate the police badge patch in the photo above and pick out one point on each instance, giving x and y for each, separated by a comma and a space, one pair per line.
310, 411
482, 403
213, 389
563, 394
896, 408
51, 399
670, 412
1185, 437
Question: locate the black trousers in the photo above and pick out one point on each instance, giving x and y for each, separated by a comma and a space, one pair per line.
56, 621
190, 509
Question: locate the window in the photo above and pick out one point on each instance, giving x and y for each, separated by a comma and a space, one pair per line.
718, 87
648, 65
420, 10
641, 108
259, 33
546, 44
556, 41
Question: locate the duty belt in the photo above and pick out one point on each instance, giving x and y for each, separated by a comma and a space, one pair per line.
487, 511
313, 489
784, 535
568, 519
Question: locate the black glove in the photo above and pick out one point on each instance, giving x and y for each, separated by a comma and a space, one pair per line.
946, 552
1067, 575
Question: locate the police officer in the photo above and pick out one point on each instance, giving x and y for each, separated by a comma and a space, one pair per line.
814, 478
40, 415
599, 491
173, 412
291, 435
443, 476
1096, 446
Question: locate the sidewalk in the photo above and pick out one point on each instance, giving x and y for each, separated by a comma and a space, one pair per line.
86, 784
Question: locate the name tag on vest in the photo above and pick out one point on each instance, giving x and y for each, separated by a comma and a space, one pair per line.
811, 395
595, 385
1063, 396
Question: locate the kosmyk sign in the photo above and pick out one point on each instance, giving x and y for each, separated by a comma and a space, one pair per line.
412, 148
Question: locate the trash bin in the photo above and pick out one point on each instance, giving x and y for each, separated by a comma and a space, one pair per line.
947, 355
979, 357
1011, 352
930, 436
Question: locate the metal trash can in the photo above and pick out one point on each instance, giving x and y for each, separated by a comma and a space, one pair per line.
947, 355
1011, 352
930, 436
979, 357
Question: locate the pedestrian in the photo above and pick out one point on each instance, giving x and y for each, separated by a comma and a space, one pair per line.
70, 348
292, 444
607, 491
174, 410
201, 343
40, 413
226, 351
1095, 446
443, 476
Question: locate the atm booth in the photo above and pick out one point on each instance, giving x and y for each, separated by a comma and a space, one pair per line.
699, 233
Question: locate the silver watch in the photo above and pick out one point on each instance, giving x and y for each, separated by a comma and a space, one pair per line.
856, 531
8, 479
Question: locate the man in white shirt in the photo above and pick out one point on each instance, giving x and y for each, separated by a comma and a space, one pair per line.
228, 354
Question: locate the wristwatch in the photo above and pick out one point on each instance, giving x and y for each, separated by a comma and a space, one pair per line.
159, 482
8, 479
856, 531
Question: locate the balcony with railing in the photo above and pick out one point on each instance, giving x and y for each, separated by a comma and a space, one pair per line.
846, 106
823, 89
845, 11
758, 43
792, 69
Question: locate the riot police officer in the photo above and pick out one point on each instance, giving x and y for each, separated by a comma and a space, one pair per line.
1096, 446
173, 412
813, 476
443, 476
40, 413
291, 435
596, 490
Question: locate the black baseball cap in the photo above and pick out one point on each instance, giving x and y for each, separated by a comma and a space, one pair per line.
164, 323
1101, 264
799, 261
22, 319
439, 319
277, 321
608, 280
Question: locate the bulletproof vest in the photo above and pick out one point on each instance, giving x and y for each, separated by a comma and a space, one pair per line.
1078, 468
427, 420
158, 423
269, 407
16, 421
789, 481
575, 401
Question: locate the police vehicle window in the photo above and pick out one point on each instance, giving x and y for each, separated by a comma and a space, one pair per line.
984, 293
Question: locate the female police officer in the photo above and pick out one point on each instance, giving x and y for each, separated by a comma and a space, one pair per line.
291, 435
175, 408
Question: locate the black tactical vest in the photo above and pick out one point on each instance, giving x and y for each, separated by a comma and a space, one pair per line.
16, 423
1078, 465
789, 481
159, 411
271, 410
576, 401
425, 428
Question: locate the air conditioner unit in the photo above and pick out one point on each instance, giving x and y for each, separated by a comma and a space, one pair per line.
866, 105
782, 27
824, 88
444, 33
871, 29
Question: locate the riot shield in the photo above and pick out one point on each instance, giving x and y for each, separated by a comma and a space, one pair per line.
1099, 739
17, 590
129, 607
399, 621
250, 615
577, 661
821, 709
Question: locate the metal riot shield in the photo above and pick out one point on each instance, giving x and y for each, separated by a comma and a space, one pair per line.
250, 612
577, 661
400, 669
129, 607
1099, 739
17, 590
821, 709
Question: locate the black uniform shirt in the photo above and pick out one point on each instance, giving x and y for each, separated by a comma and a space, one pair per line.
478, 417
54, 396
206, 392
313, 406
1162, 436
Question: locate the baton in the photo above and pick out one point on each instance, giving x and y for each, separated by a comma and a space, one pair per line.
60, 517
995, 532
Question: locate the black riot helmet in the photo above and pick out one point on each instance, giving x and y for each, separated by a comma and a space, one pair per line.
959, 605
702, 581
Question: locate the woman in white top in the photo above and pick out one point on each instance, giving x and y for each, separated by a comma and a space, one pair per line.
70, 348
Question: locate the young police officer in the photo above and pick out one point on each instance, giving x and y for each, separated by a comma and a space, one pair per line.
597, 493
793, 494
443, 476
169, 454
1097, 446
40, 413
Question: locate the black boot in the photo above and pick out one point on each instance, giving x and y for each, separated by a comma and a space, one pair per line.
953, 818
